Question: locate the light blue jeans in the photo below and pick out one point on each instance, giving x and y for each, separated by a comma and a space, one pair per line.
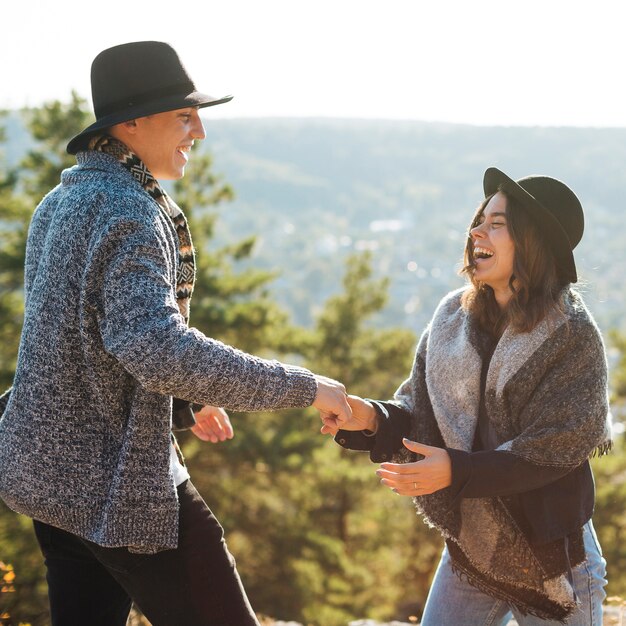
454, 602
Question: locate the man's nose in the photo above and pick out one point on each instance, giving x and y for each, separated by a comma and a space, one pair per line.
197, 128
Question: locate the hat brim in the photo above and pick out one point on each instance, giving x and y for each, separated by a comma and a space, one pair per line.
496, 180
170, 103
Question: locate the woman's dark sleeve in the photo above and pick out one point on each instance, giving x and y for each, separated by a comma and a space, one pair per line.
393, 424
497, 473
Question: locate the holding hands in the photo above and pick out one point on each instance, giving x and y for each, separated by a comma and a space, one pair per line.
332, 403
213, 424
341, 411
432, 473
363, 417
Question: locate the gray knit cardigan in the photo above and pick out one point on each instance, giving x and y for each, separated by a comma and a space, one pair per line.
85, 436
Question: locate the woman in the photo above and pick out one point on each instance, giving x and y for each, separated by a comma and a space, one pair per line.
492, 432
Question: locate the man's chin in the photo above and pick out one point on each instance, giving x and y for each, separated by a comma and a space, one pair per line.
171, 175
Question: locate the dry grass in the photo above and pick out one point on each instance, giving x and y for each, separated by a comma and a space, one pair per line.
614, 615
615, 611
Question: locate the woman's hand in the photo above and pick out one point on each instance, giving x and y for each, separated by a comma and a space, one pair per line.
212, 424
420, 478
363, 418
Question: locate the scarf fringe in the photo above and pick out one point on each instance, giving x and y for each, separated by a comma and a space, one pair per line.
523, 608
527, 558
602, 449
523, 549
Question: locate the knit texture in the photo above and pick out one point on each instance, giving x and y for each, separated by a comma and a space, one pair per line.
186, 272
85, 436
546, 398
182, 413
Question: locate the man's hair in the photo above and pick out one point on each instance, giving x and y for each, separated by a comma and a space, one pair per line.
535, 284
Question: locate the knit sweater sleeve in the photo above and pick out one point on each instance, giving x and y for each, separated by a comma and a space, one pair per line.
141, 327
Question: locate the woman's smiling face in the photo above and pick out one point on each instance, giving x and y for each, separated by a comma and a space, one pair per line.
493, 248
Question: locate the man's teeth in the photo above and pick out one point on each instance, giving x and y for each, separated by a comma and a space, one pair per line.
482, 253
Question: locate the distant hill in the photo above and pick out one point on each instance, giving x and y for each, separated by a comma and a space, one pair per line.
314, 190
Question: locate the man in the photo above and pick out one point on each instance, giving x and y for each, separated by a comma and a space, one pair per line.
85, 443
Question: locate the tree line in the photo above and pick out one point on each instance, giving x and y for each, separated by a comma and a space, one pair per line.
316, 539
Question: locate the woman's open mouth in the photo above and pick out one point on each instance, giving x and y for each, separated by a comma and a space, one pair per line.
482, 253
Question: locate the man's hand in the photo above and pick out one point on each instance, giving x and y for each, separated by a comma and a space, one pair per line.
431, 474
212, 424
332, 403
363, 418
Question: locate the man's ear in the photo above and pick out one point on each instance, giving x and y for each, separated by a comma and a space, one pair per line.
124, 129
130, 126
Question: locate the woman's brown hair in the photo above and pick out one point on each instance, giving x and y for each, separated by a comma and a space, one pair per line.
535, 284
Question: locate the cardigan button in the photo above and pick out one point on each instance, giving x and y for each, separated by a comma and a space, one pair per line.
342, 441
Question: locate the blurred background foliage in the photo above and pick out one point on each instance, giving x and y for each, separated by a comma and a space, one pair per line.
316, 539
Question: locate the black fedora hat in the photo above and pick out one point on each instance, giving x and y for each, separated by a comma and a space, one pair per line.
137, 79
553, 206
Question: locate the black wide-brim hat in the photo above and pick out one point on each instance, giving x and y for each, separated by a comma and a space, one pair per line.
138, 79
553, 207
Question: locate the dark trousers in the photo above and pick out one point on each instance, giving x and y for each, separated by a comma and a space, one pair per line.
196, 584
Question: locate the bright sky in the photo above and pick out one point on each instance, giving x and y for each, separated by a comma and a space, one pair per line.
537, 62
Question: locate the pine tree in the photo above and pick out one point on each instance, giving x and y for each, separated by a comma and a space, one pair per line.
51, 126
233, 306
14, 218
610, 476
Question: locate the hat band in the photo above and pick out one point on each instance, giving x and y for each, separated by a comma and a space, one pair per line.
182, 89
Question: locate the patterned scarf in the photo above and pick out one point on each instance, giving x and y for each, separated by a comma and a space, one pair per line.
186, 271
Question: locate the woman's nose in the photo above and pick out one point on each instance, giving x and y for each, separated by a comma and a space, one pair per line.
477, 232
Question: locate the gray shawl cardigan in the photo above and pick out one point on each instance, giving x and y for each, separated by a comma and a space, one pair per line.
85, 436
547, 401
